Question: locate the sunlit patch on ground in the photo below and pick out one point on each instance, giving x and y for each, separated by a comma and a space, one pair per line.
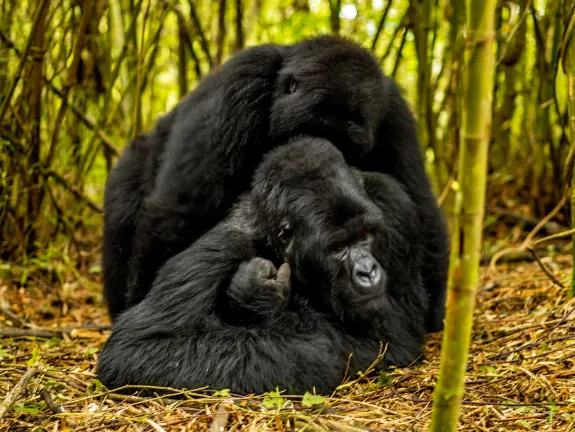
521, 371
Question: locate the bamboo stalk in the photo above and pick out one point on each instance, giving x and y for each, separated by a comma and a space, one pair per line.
221, 37
568, 52
472, 178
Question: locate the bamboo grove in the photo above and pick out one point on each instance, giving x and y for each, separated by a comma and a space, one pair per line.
79, 79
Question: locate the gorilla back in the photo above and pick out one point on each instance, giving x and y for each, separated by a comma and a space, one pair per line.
204, 153
316, 262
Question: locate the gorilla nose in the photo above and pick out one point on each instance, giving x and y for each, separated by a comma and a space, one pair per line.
366, 273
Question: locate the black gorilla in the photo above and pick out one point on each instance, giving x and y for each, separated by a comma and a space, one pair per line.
172, 185
220, 314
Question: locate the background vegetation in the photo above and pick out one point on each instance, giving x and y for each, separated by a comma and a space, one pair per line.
78, 79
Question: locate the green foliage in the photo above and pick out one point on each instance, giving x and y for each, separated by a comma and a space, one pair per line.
35, 356
28, 408
384, 380
97, 386
52, 342
310, 400
5, 355
91, 351
224, 393
273, 401
95, 269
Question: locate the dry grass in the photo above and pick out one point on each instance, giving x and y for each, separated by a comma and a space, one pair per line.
521, 372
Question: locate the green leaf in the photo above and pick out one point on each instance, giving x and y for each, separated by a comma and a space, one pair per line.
35, 356
222, 393
96, 268
92, 350
274, 401
384, 380
52, 342
5, 355
310, 400
98, 385
30, 409
50, 384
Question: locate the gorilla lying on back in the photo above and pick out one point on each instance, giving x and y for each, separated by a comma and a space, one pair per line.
172, 185
348, 248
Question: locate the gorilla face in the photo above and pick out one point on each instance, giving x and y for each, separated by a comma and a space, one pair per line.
336, 255
329, 88
325, 226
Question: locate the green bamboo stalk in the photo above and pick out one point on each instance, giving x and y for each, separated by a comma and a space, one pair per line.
182, 57
478, 86
569, 67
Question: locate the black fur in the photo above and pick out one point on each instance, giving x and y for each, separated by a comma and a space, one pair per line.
219, 313
177, 182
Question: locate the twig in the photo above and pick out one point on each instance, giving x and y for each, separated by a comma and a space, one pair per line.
544, 268
399, 54
371, 368
221, 417
18, 389
16, 332
530, 222
527, 242
221, 36
44, 333
447, 186
5, 310
380, 25
53, 406
200, 32
155, 425
402, 24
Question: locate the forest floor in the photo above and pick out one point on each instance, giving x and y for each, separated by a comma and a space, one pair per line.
521, 373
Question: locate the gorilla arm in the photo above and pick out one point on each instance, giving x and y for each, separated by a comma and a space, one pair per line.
210, 154
176, 338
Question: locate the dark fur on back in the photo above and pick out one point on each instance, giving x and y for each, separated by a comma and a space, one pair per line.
174, 184
182, 334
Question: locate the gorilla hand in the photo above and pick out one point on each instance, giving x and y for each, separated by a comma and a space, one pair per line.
258, 290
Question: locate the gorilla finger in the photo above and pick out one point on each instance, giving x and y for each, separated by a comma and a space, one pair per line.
284, 273
266, 269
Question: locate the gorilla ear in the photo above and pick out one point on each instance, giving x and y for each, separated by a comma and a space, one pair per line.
286, 232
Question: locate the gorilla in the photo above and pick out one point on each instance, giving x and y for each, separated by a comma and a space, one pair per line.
315, 262
172, 185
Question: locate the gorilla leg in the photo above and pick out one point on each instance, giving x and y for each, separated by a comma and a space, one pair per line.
123, 197
128, 183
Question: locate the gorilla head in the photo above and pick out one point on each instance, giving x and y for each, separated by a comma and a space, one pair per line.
348, 251
332, 88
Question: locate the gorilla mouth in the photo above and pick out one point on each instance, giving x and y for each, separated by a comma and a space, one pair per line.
359, 296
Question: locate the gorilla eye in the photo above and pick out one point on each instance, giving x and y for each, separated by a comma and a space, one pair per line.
286, 232
363, 235
292, 85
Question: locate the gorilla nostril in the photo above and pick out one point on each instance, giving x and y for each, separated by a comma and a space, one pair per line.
375, 274
366, 274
